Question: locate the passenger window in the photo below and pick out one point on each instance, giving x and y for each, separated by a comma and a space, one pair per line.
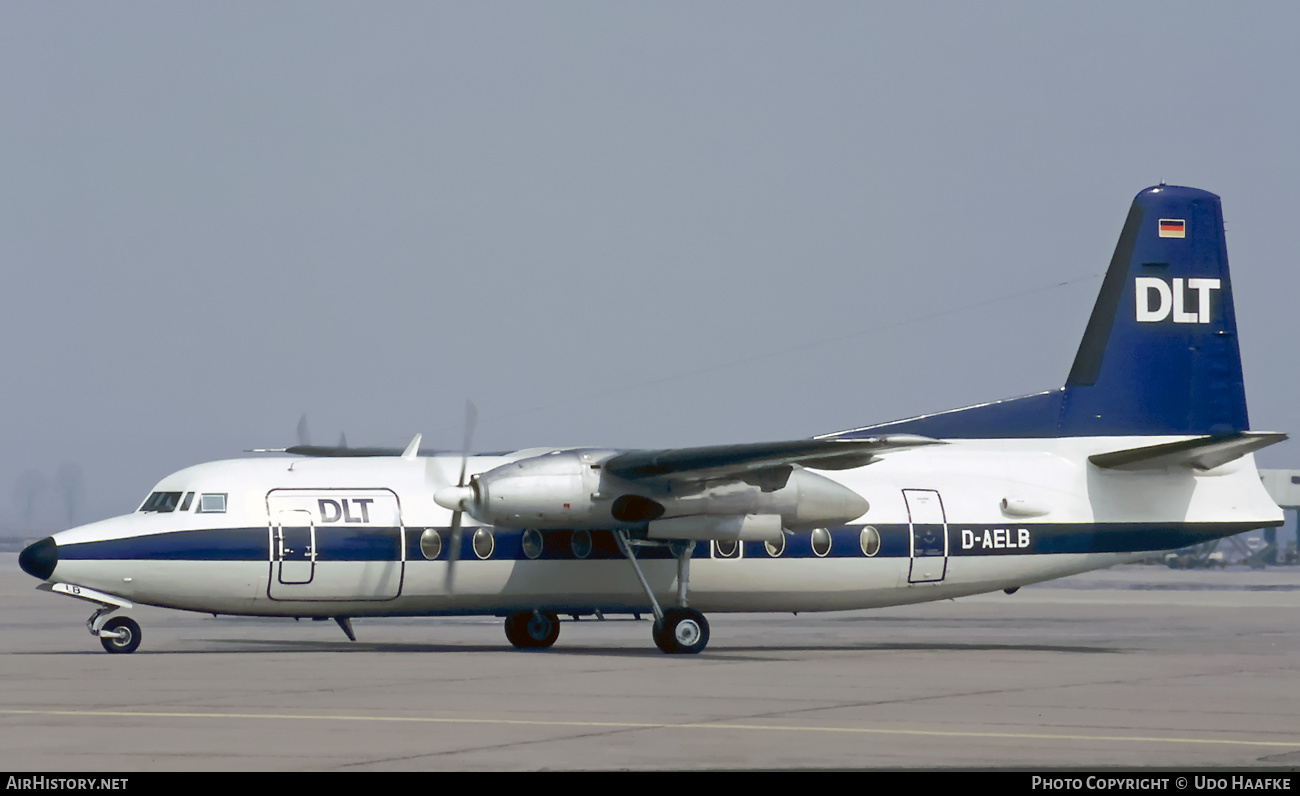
212, 503
728, 548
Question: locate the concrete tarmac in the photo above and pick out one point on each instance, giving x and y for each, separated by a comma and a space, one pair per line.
1134, 667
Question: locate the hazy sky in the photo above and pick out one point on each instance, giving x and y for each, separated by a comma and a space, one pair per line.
623, 224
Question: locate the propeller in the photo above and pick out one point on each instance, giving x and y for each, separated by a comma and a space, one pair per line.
305, 447
458, 497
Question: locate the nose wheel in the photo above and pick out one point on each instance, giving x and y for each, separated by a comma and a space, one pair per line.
683, 631
120, 635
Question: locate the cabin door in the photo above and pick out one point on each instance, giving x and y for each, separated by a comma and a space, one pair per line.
335, 544
294, 540
929, 532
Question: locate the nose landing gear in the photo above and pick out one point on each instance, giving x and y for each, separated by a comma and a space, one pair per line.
120, 634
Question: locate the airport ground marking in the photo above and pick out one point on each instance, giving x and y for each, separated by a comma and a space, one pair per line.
631, 725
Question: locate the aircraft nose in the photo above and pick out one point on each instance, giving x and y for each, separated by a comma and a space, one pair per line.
38, 559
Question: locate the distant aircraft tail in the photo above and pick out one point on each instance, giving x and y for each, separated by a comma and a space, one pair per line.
1160, 354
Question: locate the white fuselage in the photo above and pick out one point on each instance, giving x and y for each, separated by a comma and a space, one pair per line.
341, 537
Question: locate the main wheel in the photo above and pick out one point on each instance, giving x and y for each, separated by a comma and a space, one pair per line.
684, 631
662, 639
533, 629
128, 635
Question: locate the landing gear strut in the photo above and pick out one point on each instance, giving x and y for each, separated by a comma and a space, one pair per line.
533, 629
679, 630
118, 634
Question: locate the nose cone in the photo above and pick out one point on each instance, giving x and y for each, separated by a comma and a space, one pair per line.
39, 558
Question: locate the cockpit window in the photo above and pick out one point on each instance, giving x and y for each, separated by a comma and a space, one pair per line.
185, 504
161, 501
212, 503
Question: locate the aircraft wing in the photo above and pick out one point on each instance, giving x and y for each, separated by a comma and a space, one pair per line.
694, 464
341, 451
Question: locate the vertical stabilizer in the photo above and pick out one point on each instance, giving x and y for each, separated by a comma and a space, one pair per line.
1160, 353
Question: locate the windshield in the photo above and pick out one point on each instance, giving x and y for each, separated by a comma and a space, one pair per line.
161, 501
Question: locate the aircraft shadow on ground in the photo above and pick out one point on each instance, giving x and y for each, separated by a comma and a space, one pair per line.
261, 646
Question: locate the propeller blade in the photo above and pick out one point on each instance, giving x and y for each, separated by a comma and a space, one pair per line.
453, 555
471, 417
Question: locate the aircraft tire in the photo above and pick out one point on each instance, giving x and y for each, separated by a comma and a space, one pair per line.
126, 643
662, 641
529, 630
684, 631
515, 632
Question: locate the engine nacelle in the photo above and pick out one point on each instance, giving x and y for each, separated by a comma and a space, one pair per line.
569, 489
807, 501
560, 489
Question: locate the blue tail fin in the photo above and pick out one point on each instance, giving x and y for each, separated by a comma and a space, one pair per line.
1159, 355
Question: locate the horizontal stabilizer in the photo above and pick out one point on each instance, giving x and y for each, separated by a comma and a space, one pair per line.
1202, 453
726, 460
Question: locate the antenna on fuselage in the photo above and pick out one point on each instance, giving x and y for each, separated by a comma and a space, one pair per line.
413, 449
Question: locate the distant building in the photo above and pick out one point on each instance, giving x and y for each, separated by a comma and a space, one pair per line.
1284, 487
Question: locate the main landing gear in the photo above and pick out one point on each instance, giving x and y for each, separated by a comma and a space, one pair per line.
677, 631
531, 630
680, 630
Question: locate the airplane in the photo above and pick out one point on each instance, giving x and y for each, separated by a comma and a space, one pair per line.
1147, 447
